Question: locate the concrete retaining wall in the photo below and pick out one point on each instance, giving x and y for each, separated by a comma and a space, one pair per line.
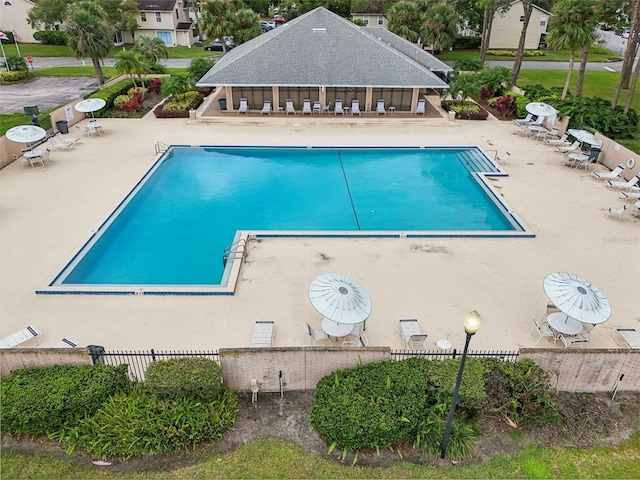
18, 358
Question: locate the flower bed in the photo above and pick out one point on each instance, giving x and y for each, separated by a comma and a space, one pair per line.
160, 113
464, 114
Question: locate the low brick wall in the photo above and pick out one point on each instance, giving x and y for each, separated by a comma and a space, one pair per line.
17, 358
587, 370
301, 367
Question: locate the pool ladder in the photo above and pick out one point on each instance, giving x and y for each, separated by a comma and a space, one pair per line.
161, 147
234, 251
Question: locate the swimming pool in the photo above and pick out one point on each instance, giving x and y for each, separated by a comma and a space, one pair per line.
169, 234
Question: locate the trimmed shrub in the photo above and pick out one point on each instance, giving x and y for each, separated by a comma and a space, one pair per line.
470, 42
15, 75
120, 99
504, 106
141, 90
42, 400
174, 379
141, 423
51, 37
155, 85
378, 404
514, 53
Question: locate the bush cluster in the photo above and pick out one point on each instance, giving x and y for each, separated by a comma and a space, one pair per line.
181, 102
42, 400
15, 75
514, 53
591, 113
379, 404
173, 410
51, 37
470, 42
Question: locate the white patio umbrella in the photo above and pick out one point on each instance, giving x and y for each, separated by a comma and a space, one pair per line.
26, 134
340, 298
584, 136
577, 298
90, 105
541, 109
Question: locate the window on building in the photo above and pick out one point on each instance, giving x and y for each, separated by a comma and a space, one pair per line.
158, 17
143, 16
380, 20
365, 20
522, 18
177, 15
543, 21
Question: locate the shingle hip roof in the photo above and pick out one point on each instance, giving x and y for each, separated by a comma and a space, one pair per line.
320, 48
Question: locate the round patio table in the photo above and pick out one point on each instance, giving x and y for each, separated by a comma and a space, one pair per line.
334, 329
564, 324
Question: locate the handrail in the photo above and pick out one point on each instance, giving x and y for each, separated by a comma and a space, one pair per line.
161, 147
234, 251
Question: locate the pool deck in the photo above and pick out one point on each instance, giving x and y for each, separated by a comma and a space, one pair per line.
47, 214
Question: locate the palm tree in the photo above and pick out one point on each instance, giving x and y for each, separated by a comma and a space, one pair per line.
403, 20
565, 33
176, 85
246, 25
629, 54
88, 34
439, 24
152, 48
215, 20
527, 6
131, 63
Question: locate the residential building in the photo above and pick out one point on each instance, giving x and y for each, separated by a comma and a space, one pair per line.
371, 14
506, 29
166, 19
13, 16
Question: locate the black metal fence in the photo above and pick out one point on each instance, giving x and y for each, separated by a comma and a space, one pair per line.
443, 354
140, 360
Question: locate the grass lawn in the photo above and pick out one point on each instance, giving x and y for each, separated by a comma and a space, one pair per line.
39, 50
277, 459
596, 54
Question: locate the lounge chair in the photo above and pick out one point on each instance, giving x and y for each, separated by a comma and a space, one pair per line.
337, 109
420, 107
66, 342
574, 146
541, 329
90, 132
61, 144
289, 106
536, 123
631, 194
624, 185
629, 337
266, 108
503, 158
360, 341
380, 110
315, 334
244, 106
317, 108
27, 337
523, 121
609, 175
562, 141
306, 106
355, 107
263, 333
411, 334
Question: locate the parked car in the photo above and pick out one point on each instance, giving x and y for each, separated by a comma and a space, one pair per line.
278, 20
216, 45
606, 27
625, 32
266, 26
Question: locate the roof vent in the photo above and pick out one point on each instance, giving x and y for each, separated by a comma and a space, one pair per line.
319, 29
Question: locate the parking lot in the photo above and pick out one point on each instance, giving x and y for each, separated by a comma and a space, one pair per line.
44, 92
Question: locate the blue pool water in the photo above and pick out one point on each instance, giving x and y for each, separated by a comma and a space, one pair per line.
173, 228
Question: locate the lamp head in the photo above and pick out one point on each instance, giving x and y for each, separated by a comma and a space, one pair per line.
472, 322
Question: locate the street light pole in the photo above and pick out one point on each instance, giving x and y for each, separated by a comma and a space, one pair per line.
472, 322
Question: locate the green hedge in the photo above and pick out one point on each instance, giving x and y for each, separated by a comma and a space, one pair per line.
42, 400
174, 379
15, 75
51, 37
379, 404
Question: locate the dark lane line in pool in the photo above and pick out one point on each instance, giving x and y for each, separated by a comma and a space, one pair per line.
346, 182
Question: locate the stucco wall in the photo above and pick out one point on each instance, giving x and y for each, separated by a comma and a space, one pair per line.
506, 29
